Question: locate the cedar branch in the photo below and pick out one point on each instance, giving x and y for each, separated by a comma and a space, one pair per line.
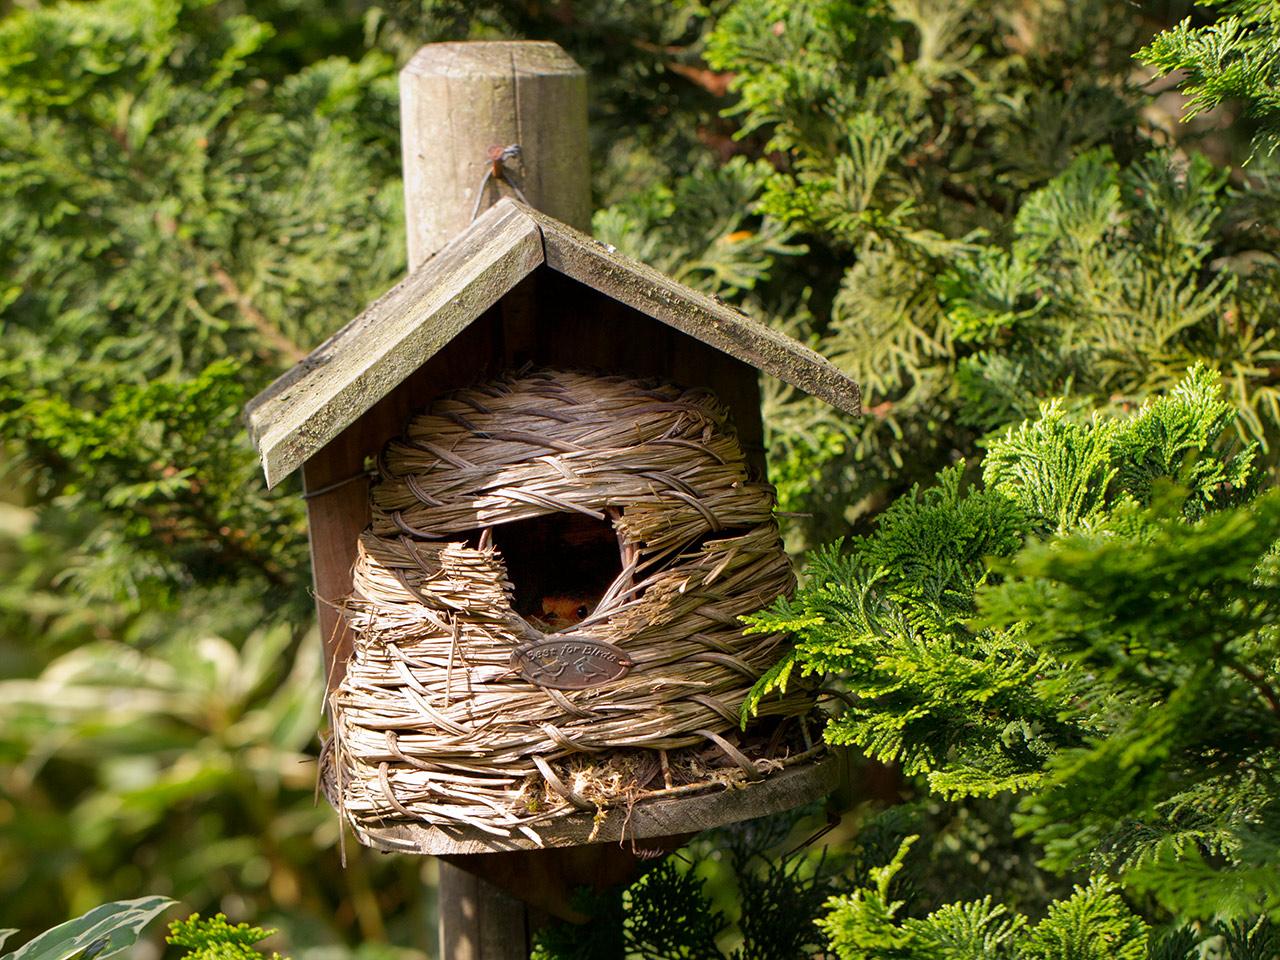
272, 334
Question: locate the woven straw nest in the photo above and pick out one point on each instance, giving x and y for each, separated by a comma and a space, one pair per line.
635, 491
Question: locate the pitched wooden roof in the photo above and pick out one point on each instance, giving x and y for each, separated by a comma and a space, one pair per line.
315, 401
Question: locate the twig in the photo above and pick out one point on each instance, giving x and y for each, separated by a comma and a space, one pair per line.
269, 332
1259, 683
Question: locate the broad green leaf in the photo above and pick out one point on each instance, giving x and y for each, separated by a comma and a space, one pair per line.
99, 934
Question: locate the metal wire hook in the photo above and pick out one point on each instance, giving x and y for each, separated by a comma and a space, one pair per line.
498, 158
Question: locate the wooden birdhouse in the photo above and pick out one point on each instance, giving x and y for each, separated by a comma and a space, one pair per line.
538, 506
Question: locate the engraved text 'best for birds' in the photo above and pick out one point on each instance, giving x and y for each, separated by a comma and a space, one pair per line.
571, 664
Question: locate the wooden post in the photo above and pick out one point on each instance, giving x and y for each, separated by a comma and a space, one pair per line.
459, 101
478, 921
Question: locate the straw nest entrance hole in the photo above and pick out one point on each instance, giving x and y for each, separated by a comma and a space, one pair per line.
546, 613
559, 565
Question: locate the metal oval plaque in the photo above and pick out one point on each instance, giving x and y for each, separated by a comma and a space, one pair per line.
575, 664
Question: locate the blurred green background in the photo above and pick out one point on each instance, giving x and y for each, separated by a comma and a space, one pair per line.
195, 192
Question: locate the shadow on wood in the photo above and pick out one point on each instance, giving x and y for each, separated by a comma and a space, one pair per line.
546, 879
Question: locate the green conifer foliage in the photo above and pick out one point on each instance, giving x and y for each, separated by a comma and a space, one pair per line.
1093, 924
1096, 629
172, 232
217, 939
1001, 223
179, 217
1235, 58
776, 890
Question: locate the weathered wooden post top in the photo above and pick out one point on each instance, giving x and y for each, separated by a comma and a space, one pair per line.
536, 488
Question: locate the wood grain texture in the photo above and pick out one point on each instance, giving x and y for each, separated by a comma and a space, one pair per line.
337, 512
338, 488
313, 403
575, 326
294, 418
695, 314
478, 920
459, 99
784, 790
546, 880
